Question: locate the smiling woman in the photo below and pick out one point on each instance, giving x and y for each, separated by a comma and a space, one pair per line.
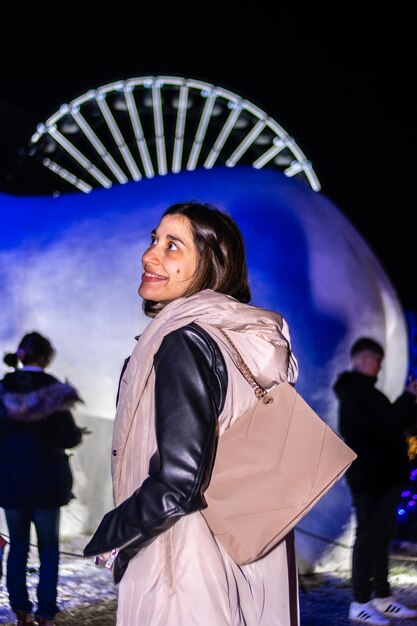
179, 392
170, 262
199, 255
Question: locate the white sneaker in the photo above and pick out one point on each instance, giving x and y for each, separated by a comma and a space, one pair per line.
366, 614
392, 608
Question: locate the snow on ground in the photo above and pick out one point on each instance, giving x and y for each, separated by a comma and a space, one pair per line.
80, 581
324, 597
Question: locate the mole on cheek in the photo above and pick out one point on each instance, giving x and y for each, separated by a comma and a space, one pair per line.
178, 271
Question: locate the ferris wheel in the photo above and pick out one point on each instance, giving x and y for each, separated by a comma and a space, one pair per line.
152, 125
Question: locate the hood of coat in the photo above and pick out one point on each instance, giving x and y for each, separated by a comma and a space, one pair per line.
18, 401
261, 336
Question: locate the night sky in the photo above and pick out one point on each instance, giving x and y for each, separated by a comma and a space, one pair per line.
338, 80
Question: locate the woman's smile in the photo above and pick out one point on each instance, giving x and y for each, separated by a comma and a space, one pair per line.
150, 276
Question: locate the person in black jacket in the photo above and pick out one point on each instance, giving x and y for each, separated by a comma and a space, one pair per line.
36, 427
376, 430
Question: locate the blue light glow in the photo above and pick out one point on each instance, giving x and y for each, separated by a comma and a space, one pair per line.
70, 268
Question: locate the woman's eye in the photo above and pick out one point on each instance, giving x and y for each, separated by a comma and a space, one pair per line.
172, 246
153, 240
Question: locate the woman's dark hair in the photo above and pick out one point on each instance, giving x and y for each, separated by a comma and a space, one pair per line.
221, 262
33, 348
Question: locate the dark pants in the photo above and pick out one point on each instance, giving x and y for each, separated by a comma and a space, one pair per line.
376, 521
46, 522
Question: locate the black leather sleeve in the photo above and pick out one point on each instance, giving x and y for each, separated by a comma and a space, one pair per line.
190, 388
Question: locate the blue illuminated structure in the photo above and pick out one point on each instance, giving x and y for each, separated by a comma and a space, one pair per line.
70, 267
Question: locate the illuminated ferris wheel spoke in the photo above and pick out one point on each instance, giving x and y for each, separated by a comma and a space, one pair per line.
246, 143
138, 131
80, 158
201, 131
159, 128
66, 175
118, 137
181, 102
221, 140
98, 146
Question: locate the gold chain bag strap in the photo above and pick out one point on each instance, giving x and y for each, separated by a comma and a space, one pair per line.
260, 392
272, 466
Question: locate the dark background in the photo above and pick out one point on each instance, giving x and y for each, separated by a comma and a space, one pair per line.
338, 79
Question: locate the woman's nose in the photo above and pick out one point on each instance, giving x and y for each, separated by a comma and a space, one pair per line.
150, 255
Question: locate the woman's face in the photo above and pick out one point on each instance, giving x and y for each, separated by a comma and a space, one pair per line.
170, 262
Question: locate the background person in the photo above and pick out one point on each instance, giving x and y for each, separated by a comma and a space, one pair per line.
35, 429
376, 430
179, 389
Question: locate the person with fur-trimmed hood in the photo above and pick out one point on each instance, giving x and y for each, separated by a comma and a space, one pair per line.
36, 427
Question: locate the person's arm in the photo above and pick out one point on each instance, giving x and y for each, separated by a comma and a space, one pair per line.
190, 386
406, 410
372, 409
61, 430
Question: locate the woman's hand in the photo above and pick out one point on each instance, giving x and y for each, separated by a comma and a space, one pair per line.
106, 559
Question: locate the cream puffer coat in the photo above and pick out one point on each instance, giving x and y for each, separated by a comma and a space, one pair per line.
184, 577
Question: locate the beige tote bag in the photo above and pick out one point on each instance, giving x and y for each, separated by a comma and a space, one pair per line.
271, 467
